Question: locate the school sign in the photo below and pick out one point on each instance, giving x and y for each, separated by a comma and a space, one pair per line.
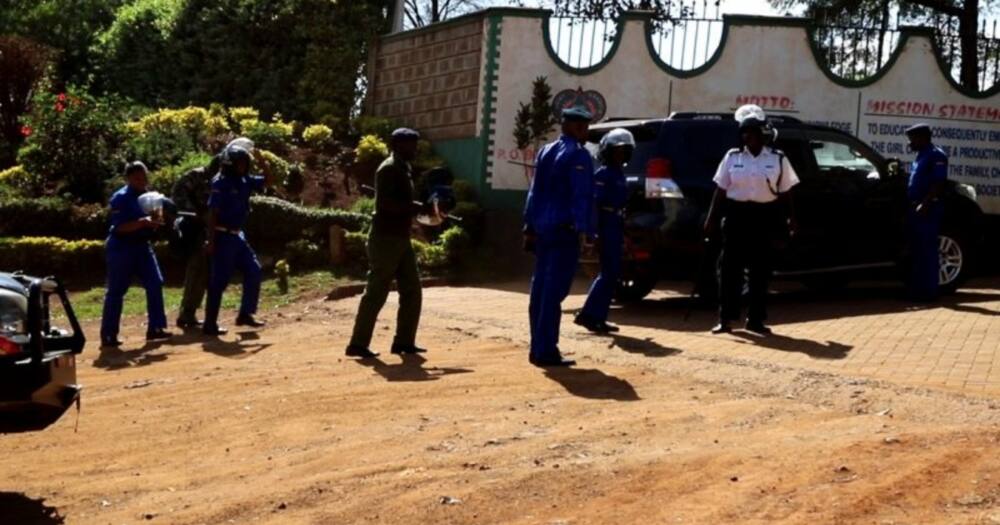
461, 83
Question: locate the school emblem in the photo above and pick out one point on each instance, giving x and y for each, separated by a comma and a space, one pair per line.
592, 100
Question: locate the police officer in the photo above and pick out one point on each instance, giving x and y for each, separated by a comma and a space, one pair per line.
928, 176
229, 206
130, 254
557, 219
753, 203
390, 253
610, 197
190, 194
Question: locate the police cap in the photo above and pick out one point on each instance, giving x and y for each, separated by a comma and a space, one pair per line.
576, 114
921, 128
402, 134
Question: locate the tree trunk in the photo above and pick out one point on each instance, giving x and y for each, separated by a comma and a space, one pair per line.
435, 13
968, 34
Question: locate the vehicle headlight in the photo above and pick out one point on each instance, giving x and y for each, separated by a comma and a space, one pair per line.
966, 190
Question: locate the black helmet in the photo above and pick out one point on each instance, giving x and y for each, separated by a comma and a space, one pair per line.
234, 154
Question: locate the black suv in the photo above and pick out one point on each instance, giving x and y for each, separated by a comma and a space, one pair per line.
851, 206
37, 360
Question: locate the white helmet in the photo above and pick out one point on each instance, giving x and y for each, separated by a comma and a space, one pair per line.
617, 137
237, 143
750, 111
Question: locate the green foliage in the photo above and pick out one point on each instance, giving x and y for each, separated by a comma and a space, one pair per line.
75, 141
273, 165
243, 114
163, 180
380, 127
51, 216
273, 222
522, 126
298, 57
430, 256
364, 206
52, 256
23, 64
274, 135
371, 149
317, 136
21, 182
542, 117
303, 254
454, 240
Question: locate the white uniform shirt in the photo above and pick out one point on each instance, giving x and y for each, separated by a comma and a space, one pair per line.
746, 178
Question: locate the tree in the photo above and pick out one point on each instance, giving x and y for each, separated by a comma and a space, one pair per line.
607, 9
418, 13
23, 64
536, 119
68, 26
921, 11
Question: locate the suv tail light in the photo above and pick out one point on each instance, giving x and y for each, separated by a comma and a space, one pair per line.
660, 180
9, 347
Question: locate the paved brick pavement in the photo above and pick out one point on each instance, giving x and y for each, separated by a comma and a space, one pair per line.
866, 331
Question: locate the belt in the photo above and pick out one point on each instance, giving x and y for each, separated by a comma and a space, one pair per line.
227, 230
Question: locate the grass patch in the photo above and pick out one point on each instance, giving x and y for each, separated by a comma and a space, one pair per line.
89, 303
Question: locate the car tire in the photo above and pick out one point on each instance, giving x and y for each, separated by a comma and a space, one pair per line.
956, 257
634, 289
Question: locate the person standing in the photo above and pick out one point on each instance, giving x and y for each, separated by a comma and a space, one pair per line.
130, 254
753, 204
229, 207
928, 176
611, 196
557, 219
390, 252
190, 194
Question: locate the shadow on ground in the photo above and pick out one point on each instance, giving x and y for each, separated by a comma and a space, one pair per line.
22, 510
592, 384
410, 369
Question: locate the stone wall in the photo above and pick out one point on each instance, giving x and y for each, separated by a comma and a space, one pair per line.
429, 79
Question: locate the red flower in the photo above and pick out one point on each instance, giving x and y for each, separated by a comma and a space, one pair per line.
61, 97
60, 107
26, 131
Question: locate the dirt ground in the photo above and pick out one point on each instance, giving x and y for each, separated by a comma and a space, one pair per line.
276, 426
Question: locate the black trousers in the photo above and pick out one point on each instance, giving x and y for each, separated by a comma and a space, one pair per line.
749, 234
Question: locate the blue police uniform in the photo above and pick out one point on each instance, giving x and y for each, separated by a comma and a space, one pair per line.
557, 210
929, 168
230, 199
610, 198
130, 255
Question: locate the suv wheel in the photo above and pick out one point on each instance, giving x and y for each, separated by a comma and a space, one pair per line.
634, 289
954, 255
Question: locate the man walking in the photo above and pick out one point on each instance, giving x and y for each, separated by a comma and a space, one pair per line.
557, 218
190, 194
928, 176
390, 253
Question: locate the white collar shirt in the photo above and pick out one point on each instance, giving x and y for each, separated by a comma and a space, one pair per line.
746, 178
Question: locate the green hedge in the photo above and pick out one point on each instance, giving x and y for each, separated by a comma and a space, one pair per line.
274, 223
51, 216
80, 260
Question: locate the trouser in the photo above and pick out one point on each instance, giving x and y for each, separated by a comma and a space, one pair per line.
748, 236
232, 252
611, 238
126, 260
389, 257
556, 256
195, 282
922, 235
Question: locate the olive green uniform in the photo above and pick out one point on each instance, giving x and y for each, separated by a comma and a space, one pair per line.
190, 193
391, 256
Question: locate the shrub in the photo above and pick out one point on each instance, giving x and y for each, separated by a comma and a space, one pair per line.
21, 182
274, 135
54, 217
163, 180
241, 115
63, 258
167, 136
317, 136
274, 222
306, 255
454, 240
76, 141
381, 127
426, 158
371, 149
430, 256
364, 206
272, 165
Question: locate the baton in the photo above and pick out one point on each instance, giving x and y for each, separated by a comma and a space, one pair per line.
371, 189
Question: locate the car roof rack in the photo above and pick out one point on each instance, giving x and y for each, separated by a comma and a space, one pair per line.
696, 115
